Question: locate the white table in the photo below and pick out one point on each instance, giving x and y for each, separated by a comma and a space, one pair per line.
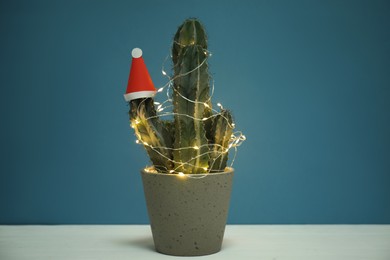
273, 242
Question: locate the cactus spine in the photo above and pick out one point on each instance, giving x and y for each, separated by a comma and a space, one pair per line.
197, 141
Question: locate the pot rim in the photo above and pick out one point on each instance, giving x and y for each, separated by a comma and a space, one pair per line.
147, 171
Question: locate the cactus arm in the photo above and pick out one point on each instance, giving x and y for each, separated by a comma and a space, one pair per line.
152, 132
222, 129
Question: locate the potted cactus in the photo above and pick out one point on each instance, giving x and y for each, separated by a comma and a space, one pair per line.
187, 189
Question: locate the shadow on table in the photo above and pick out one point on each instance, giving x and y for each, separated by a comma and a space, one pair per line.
227, 243
147, 243
142, 242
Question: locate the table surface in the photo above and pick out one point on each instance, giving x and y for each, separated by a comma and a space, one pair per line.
273, 242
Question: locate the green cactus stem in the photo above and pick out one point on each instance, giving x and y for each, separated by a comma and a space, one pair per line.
222, 129
152, 132
190, 94
189, 124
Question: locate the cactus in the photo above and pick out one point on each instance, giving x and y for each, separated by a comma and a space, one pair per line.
196, 141
152, 132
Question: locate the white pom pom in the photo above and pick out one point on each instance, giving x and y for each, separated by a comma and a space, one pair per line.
136, 53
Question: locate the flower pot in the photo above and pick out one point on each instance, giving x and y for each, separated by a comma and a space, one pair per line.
187, 213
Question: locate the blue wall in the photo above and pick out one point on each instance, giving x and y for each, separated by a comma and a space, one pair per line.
308, 82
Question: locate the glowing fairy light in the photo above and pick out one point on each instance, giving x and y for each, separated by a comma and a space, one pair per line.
181, 174
196, 147
160, 90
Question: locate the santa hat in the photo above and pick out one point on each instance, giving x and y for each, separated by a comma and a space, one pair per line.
140, 84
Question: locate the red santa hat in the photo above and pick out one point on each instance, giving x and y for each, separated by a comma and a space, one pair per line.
140, 84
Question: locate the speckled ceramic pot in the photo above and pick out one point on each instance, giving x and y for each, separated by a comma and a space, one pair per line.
188, 213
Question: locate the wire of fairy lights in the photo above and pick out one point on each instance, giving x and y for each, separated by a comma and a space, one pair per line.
164, 109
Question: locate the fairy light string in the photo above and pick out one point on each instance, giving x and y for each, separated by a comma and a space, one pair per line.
236, 139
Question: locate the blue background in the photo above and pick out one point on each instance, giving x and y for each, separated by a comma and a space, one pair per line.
308, 82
